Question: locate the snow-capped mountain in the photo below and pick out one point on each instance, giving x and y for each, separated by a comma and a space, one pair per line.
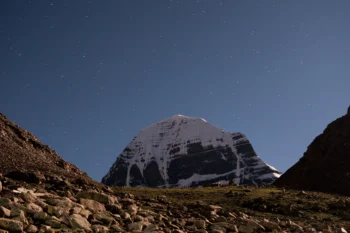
184, 151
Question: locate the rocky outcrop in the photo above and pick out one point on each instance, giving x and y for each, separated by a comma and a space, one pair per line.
24, 157
325, 165
183, 151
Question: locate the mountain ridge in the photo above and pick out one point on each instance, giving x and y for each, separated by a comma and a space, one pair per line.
23, 156
324, 165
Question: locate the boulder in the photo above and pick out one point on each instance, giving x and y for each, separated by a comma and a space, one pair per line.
99, 197
77, 221
92, 205
11, 225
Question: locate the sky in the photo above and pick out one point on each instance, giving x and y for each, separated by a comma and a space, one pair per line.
86, 76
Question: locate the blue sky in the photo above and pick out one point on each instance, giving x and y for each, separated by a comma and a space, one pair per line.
87, 76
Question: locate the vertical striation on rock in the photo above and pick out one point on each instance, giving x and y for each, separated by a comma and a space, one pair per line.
183, 151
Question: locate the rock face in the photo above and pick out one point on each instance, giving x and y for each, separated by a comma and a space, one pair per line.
24, 157
182, 151
325, 165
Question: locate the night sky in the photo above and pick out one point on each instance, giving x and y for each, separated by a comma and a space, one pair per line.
87, 76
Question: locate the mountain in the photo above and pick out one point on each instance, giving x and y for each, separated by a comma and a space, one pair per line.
24, 157
183, 151
325, 166
40, 192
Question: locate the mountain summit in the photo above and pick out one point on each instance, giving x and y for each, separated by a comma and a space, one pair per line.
184, 151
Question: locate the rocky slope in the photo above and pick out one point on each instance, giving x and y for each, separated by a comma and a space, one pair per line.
24, 157
325, 165
182, 151
41, 208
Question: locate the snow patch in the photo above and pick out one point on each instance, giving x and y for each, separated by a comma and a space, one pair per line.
269, 176
197, 178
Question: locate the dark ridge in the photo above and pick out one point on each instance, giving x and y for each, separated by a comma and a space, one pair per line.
325, 165
23, 156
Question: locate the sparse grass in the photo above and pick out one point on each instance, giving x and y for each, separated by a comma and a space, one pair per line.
269, 202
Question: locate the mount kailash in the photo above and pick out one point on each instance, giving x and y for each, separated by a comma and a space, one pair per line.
183, 151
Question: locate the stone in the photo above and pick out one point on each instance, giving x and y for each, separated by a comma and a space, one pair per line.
215, 228
11, 225
100, 228
270, 225
138, 218
135, 226
64, 202
115, 208
151, 228
31, 229
310, 230
53, 222
200, 224
117, 228
92, 205
201, 231
103, 217
177, 231
216, 208
18, 214
234, 228
85, 213
246, 229
65, 220
58, 211
44, 228
221, 219
125, 215
5, 202
41, 216
4, 212
41, 203
254, 224
99, 197
49, 209
15, 212
32, 208
27, 197
76, 209
77, 221
132, 209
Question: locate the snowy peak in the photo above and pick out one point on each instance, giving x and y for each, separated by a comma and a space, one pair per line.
179, 128
175, 120
184, 118
188, 151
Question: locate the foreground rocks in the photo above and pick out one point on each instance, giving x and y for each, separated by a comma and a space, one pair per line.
31, 208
